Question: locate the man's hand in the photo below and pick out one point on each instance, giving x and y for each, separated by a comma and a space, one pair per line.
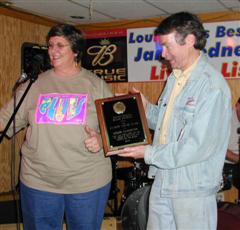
144, 100
94, 141
135, 152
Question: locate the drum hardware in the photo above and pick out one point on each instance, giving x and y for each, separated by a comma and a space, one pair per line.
134, 177
114, 190
231, 176
227, 179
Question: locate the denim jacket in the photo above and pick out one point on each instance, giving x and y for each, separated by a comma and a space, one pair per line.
191, 162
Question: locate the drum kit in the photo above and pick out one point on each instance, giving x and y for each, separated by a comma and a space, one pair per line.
133, 208
133, 205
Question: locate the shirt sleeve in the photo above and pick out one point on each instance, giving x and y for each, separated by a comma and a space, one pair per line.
7, 111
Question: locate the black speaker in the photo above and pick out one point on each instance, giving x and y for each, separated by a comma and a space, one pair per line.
34, 58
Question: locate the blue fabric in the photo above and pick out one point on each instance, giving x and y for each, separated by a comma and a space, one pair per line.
189, 213
188, 168
191, 162
45, 210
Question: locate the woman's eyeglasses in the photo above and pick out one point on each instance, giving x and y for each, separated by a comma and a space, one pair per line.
58, 46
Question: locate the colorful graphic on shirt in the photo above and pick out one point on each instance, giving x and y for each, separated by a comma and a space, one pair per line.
61, 109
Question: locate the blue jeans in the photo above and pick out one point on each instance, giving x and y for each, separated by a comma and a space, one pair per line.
186, 213
45, 210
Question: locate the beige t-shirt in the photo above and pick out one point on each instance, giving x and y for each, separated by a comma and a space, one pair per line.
56, 109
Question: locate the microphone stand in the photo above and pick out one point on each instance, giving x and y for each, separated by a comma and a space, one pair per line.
32, 79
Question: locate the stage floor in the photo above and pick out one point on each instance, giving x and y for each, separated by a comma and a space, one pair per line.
109, 223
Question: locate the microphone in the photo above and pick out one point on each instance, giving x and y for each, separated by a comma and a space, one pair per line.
23, 78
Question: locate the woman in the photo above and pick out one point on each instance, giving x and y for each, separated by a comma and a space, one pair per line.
63, 168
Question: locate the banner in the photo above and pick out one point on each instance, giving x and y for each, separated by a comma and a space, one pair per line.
143, 58
223, 47
106, 54
131, 55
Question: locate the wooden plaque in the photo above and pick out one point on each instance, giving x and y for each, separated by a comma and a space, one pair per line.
122, 122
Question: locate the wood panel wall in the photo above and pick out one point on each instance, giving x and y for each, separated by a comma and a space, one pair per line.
16, 28
13, 33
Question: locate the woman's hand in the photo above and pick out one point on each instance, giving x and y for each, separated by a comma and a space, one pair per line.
93, 142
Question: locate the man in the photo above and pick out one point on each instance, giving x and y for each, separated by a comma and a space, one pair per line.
231, 168
192, 127
233, 146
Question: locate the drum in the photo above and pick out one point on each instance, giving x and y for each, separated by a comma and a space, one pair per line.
134, 212
139, 170
125, 173
134, 177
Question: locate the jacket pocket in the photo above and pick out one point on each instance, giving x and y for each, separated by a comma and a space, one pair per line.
184, 118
